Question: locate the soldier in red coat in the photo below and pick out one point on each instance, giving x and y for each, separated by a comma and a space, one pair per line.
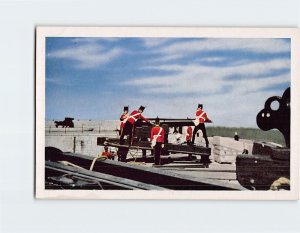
189, 134
157, 140
107, 154
201, 117
123, 118
129, 124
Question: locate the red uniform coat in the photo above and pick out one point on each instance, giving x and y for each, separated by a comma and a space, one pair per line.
154, 131
122, 118
107, 154
135, 115
189, 134
201, 116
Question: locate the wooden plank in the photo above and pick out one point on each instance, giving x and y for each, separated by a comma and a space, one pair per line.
142, 174
185, 152
185, 149
129, 147
102, 177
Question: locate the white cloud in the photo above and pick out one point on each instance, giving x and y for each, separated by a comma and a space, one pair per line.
188, 78
58, 81
160, 59
181, 49
212, 59
225, 109
252, 45
88, 55
154, 42
192, 84
165, 58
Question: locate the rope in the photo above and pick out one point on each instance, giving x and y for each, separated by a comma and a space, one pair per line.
101, 158
133, 154
70, 164
135, 158
276, 185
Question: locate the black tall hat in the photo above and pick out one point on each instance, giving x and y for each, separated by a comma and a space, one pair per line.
200, 106
142, 108
157, 121
126, 108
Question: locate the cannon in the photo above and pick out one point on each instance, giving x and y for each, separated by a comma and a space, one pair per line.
140, 141
269, 163
67, 122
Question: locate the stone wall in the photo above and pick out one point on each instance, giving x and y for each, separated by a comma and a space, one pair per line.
225, 149
83, 144
92, 126
82, 138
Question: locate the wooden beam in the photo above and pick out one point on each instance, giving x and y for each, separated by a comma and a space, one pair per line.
140, 173
101, 177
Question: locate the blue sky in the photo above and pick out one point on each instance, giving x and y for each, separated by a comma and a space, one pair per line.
93, 78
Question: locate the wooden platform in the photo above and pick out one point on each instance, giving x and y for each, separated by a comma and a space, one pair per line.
145, 174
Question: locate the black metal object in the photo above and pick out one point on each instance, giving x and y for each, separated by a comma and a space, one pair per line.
269, 118
143, 131
137, 173
204, 152
180, 122
268, 162
141, 134
67, 122
199, 150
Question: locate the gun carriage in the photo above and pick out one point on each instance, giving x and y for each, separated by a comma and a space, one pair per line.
268, 162
141, 135
67, 122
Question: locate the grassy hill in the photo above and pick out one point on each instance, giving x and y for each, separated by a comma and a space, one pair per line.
247, 133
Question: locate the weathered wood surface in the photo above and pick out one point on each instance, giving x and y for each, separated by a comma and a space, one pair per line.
105, 179
148, 175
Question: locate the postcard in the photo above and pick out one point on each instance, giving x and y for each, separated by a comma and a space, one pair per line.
167, 113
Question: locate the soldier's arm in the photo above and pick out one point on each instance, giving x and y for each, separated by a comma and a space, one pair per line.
207, 119
163, 135
143, 118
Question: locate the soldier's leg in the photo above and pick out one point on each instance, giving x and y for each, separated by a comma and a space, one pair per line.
124, 154
124, 130
144, 153
122, 139
194, 133
130, 130
204, 134
157, 152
